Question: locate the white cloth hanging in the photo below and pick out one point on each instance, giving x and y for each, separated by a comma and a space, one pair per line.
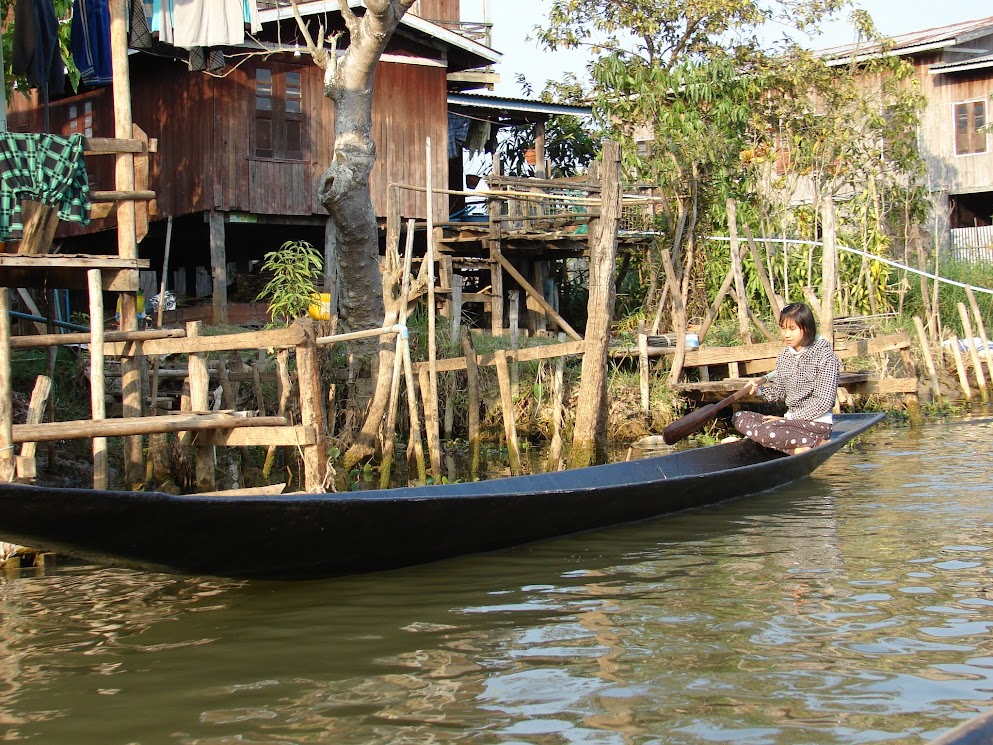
208, 23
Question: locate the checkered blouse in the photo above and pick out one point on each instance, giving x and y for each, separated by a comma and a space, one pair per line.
807, 381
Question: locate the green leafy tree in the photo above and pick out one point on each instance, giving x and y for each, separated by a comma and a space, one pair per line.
707, 112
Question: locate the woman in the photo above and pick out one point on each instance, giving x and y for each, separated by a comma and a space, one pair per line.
806, 378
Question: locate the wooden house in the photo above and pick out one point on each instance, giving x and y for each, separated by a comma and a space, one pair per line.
954, 68
238, 150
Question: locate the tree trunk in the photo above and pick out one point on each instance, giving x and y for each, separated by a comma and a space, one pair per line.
589, 443
344, 187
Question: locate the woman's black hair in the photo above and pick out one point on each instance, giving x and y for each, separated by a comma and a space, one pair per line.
803, 317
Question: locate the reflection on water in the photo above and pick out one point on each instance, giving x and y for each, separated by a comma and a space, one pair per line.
853, 607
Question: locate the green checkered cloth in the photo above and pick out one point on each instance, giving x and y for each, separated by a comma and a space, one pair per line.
42, 168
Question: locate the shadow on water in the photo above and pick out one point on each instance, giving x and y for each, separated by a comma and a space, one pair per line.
851, 607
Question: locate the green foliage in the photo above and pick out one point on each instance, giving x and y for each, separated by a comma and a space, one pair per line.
296, 267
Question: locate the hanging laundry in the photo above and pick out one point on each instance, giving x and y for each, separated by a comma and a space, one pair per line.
478, 136
458, 128
90, 41
161, 20
36, 47
208, 23
139, 34
43, 168
252, 16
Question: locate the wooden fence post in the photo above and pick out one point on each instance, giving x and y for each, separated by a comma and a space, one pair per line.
7, 459
205, 455
829, 272
472, 389
973, 352
97, 389
507, 405
311, 409
981, 326
739, 277
928, 359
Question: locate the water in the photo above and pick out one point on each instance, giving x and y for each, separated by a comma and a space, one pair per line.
852, 607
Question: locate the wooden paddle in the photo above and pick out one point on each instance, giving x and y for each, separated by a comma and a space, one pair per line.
687, 425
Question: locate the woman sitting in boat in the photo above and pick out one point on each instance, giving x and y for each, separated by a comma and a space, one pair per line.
806, 378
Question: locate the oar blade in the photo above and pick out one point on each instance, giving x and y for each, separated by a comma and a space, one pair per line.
687, 425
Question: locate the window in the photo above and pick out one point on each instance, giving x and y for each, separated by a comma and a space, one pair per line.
81, 118
970, 124
278, 129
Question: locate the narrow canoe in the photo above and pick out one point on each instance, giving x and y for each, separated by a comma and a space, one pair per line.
308, 535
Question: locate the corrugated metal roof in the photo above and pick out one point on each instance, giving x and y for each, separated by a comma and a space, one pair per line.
932, 38
508, 105
271, 10
977, 63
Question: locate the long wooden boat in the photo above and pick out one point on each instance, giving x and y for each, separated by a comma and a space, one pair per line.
299, 535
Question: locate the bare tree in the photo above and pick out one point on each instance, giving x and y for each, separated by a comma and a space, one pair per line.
344, 187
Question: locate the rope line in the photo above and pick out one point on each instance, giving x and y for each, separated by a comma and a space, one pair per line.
856, 251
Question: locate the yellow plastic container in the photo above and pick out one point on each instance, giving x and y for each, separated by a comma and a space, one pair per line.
320, 308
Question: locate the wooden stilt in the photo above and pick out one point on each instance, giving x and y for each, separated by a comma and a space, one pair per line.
495, 255
538, 298
218, 268
513, 328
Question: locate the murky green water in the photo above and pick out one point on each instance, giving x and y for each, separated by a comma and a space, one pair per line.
853, 607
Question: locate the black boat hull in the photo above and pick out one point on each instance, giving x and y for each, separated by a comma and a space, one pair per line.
301, 535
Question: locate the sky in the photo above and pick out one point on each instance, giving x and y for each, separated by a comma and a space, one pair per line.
514, 20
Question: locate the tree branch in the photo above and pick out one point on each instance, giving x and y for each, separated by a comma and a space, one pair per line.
351, 20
